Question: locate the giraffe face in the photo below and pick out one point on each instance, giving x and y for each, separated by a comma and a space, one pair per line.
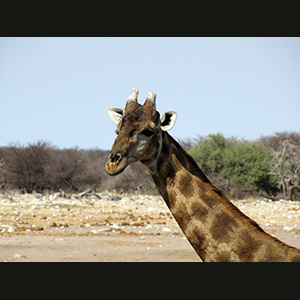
139, 130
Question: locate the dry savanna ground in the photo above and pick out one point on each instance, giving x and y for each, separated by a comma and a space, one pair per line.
36, 227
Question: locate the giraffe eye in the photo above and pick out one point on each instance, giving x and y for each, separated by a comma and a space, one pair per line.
148, 132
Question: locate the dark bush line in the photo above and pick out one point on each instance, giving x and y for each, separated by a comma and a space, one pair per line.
41, 167
267, 166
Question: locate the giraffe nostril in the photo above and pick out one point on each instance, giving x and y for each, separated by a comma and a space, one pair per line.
118, 157
115, 157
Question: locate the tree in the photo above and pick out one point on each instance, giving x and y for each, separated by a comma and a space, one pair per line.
2, 178
276, 140
247, 164
285, 167
237, 167
67, 169
26, 166
209, 152
92, 177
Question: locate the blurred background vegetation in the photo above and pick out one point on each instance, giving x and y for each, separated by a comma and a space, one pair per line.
268, 167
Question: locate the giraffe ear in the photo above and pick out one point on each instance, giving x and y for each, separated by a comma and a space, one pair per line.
168, 120
116, 114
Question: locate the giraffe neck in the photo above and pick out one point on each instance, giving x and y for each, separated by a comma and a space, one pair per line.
216, 229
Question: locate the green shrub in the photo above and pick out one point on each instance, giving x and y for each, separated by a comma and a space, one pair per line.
241, 167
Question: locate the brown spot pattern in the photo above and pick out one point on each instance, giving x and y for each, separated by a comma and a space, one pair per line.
182, 216
198, 242
247, 246
222, 225
186, 185
199, 211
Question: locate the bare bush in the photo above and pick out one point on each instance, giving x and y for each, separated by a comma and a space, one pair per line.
26, 166
2, 178
286, 168
67, 169
276, 140
94, 170
39, 167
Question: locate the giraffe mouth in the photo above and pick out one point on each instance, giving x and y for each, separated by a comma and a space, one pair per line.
116, 164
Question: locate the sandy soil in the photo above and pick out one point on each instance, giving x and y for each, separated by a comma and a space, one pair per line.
115, 228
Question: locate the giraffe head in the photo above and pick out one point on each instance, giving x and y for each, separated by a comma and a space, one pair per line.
139, 129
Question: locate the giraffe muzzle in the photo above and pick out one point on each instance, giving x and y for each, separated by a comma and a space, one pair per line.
116, 163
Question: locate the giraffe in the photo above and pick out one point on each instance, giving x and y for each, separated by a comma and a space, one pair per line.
216, 229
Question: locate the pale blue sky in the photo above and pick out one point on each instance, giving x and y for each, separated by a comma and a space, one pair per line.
58, 89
